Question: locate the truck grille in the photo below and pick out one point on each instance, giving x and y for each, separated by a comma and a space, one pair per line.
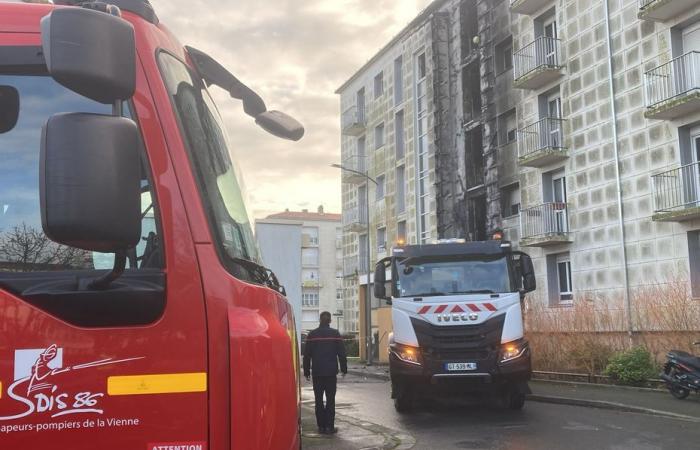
463, 341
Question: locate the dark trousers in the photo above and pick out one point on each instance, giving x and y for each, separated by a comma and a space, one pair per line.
325, 415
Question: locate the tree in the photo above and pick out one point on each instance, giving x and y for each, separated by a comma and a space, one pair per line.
26, 249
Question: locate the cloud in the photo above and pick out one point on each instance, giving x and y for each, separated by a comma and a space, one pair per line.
294, 53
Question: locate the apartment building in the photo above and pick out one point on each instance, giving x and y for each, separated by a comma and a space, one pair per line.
608, 142
304, 250
573, 125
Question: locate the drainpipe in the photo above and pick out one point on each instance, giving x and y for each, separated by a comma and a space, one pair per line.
611, 86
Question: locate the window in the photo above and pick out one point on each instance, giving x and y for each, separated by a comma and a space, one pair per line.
309, 299
23, 245
510, 197
398, 81
565, 288
210, 153
379, 136
507, 128
399, 135
380, 187
309, 236
504, 56
401, 232
381, 239
421, 66
400, 190
379, 85
694, 262
309, 257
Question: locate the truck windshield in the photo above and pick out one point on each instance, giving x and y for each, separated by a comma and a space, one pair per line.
453, 277
209, 149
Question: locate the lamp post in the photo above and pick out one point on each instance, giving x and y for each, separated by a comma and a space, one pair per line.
368, 292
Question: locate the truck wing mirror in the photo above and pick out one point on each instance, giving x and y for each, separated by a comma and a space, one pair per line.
90, 187
9, 108
380, 280
527, 271
90, 52
274, 122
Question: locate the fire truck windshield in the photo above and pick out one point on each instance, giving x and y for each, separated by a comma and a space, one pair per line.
454, 277
209, 149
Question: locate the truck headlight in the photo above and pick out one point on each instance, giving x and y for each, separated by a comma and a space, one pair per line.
407, 354
513, 350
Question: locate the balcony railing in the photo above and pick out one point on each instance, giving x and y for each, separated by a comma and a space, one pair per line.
353, 120
544, 224
379, 211
542, 142
537, 63
677, 193
662, 10
351, 265
355, 219
355, 162
673, 89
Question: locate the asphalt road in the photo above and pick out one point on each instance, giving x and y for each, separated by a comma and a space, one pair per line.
539, 426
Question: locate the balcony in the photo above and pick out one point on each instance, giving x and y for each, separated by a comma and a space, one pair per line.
663, 10
673, 89
353, 161
542, 143
311, 283
351, 265
379, 212
544, 225
528, 7
355, 219
677, 194
537, 64
353, 121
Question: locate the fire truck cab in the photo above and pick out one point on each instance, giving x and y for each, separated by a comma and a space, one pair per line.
457, 320
135, 312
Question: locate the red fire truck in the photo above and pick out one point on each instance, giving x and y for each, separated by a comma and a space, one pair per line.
134, 310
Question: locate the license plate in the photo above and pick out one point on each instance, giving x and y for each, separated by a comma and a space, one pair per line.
453, 367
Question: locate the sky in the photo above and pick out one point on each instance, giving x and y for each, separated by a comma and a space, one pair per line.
295, 54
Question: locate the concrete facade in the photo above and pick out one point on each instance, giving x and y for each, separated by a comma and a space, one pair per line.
598, 181
303, 249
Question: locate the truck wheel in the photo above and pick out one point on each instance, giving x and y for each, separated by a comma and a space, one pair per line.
403, 403
516, 401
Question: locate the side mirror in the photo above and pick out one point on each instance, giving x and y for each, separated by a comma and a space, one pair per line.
281, 125
90, 52
9, 108
90, 176
380, 281
527, 271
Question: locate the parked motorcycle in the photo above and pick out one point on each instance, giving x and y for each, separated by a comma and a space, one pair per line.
682, 373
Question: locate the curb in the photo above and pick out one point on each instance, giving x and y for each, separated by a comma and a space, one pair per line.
612, 406
363, 373
599, 404
393, 440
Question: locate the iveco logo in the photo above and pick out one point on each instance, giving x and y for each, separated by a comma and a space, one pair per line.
457, 317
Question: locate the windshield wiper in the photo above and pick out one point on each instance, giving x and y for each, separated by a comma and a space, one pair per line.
261, 274
475, 291
428, 294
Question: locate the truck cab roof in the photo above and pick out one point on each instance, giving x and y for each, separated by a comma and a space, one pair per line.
479, 248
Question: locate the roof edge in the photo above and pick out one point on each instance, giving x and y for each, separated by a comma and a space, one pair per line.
419, 19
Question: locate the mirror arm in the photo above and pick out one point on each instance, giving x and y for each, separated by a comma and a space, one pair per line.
104, 281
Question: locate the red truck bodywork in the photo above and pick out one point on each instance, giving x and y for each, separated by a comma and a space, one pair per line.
217, 371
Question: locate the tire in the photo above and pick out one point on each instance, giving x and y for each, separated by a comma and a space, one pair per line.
403, 403
516, 401
679, 392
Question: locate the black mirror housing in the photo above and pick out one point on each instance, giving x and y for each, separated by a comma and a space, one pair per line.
90, 52
380, 281
281, 125
90, 182
9, 108
528, 273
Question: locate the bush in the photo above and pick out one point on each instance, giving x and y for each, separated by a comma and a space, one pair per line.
352, 346
632, 367
591, 355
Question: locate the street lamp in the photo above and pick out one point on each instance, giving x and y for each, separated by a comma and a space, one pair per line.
368, 294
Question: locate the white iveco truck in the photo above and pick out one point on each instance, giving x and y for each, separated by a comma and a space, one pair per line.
458, 322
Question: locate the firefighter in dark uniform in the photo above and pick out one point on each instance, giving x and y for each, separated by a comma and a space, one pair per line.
324, 349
